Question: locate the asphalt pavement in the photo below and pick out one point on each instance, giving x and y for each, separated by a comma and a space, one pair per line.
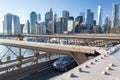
45, 74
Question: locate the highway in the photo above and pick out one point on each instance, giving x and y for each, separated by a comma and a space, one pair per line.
103, 67
73, 36
45, 74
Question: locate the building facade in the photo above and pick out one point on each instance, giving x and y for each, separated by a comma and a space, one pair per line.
65, 14
55, 23
41, 28
7, 24
11, 24
16, 28
83, 15
107, 25
70, 25
115, 15
49, 22
26, 27
33, 20
99, 19
90, 17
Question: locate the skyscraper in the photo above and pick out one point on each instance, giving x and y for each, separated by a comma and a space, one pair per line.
79, 19
115, 14
65, 14
83, 15
39, 17
51, 14
7, 28
33, 20
63, 24
90, 17
41, 28
107, 26
16, 28
21, 26
55, 23
70, 25
99, 19
26, 27
65, 17
49, 21
59, 26
11, 24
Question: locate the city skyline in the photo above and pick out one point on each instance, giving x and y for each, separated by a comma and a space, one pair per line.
24, 8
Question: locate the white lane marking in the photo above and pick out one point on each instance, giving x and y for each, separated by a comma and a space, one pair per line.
44, 69
37, 71
22, 77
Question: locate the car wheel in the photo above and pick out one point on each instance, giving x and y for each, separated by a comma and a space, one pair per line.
65, 69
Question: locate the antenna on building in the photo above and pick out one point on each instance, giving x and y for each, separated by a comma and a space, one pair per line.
100, 2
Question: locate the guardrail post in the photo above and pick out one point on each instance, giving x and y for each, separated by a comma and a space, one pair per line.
19, 58
36, 54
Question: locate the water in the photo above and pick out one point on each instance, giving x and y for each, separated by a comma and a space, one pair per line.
4, 53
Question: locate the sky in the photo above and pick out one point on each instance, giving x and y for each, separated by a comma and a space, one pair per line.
23, 8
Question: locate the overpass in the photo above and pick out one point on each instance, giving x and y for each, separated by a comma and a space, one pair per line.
77, 51
74, 36
99, 68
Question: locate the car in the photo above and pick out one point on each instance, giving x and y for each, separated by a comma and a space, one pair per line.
109, 45
64, 63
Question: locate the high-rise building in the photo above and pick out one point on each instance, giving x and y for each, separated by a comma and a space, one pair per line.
63, 24
99, 19
3, 26
90, 17
115, 15
16, 28
55, 22
49, 21
39, 17
21, 26
59, 24
65, 14
7, 28
94, 22
11, 24
40, 28
65, 17
70, 25
83, 15
51, 14
79, 19
26, 27
33, 20
107, 25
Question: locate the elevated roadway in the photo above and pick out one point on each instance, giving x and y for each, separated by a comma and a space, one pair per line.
78, 52
101, 68
48, 47
73, 36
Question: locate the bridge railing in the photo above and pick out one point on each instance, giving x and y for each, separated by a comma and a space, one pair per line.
11, 61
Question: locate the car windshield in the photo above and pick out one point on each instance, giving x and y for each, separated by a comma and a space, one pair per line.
64, 58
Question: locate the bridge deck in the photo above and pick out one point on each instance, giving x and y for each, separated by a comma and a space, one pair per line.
47, 47
76, 36
100, 68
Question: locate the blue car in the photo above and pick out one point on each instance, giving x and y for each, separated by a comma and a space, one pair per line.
64, 63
